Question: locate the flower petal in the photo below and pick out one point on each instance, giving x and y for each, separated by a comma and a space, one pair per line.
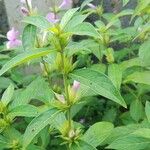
76, 86
51, 17
65, 4
12, 34
13, 44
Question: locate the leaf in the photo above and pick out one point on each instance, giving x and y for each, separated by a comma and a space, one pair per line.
85, 28
144, 53
23, 111
38, 89
29, 37
139, 77
115, 75
67, 17
136, 110
5, 82
38, 21
7, 95
125, 2
82, 146
24, 57
98, 133
147, 110
129, 142
85, 2
37, 124
98, 83
143, 132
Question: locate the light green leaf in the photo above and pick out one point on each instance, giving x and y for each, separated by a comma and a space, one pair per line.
125, 2
5, 82
7, 95
67, 17
137, 110
85, 2
38, 21
129, 142
85, 28
24, 57
82, 146
147, 110
143, 132
23, 111
98, 83
144, 53
29, 37
98, 133
37, 124
139, 77
115, 75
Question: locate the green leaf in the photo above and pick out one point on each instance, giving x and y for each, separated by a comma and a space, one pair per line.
85, 28
24, 57
23, 111
98, 133
37, 124
147, 110
81, 145
125, 2
67, 17
38, 21
115, 75
38, 89
85, 2
5, 82
143, 132
137, 110
139, 77
29, 37
129, 142
98, 83
7, 95
144, 53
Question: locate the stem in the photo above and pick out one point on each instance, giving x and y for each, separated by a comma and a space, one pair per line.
65, 78
47, 72
28, 5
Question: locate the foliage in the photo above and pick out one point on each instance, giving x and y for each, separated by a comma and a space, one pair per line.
90, 89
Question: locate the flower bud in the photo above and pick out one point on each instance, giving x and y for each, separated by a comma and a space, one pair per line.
76, 86
72, 134
60, 98
25, 11
91, 6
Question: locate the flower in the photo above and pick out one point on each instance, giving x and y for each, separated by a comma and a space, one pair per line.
12, 36
76, 86
60, 97
51, 17
24, 11
65, 4
91, 6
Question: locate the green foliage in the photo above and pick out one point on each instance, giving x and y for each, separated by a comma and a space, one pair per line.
77, 85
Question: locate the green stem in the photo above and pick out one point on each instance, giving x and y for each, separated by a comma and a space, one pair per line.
47, 72
28, 7
65, 79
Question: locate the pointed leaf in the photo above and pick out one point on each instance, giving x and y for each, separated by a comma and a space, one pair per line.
147, 110
98, 133
98, 83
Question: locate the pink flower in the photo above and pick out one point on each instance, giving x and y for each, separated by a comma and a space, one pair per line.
65, 4
76, 86
12, 36
60, 97
24, 11
91, 6
51, 17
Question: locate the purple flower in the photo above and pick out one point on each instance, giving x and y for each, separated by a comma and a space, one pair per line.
12, 37
51, 17
91, 6
24, 11
76, 86
60, 98
65, 4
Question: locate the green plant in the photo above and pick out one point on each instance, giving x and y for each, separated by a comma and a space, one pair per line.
88, 94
